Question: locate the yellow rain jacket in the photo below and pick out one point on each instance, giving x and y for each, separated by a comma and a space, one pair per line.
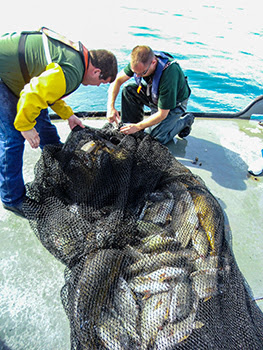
48, 83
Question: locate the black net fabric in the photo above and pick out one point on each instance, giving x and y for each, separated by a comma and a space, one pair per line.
147, 262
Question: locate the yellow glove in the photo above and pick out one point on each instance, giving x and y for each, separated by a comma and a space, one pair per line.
38, 94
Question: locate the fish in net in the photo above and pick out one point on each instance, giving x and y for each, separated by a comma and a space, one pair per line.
143, 241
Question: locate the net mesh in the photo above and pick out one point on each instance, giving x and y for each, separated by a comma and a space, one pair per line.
147, 262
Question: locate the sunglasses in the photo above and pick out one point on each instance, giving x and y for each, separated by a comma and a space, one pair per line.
145, 72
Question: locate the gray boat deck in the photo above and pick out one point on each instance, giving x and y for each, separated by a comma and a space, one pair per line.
219, 151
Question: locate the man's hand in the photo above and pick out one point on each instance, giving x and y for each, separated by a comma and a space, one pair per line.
74, 121
32, 137
113, 116
112, 113
129, 129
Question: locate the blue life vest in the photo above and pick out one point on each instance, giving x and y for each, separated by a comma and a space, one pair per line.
163, 58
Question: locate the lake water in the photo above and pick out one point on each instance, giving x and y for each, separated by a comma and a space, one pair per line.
217, 43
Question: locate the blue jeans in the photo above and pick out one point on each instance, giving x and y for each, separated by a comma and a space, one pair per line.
12, 188
171, 125
132, 111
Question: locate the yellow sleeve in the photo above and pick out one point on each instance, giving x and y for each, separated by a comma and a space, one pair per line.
62, 109
38, 94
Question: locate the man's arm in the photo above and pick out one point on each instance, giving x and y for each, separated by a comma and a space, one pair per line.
38, 94
155, 118
32, 135
112, 113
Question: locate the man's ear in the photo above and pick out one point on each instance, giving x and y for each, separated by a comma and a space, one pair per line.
96, 71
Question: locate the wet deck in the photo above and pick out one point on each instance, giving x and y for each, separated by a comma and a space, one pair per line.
219, 151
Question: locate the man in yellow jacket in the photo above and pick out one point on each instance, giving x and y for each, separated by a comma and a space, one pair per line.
37, 69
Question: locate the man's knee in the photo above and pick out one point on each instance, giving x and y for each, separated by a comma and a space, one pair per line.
129, 90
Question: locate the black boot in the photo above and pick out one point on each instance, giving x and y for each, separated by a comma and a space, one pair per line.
18, 210
189, 119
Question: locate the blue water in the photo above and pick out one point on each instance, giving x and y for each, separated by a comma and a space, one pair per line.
217, 43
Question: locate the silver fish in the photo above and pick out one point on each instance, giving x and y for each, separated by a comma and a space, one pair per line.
157, 242
127, 308
159, 196
146, 286
174, 333
157, 212
205, 283
100, 273
111, 333
154, 314
167, 274
133, 253
148, 228
153, 262
181, 301
202, 263
200, 242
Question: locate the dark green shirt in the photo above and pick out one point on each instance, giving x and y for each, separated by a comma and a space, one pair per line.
173, 87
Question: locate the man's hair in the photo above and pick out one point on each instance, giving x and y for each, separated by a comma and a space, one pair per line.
106, 62
141, 54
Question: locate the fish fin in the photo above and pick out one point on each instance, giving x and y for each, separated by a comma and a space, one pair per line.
198, 324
